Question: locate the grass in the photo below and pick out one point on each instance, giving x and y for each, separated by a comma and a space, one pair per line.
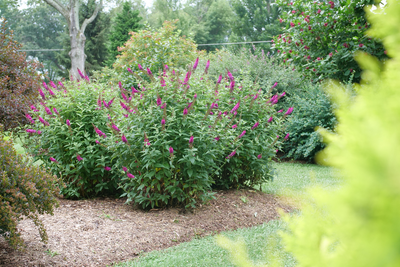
294, 178
263, 241
205, 251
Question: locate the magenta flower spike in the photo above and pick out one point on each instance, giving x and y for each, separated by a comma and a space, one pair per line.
187, 77
110, 102
166, 67
216, 138
234, 126
48, 111
230, 75
195, 64
39, 132
123, 138
287, 136
255, 97
273, 86
270, 119
163, 122
280, 111
42, 94
55, 111
124, 97
30, 118
30, 131
129, 70
78, 157
219, 79
207, 66
195, 96
259, 156
231, 155
97, 142
185, 111
115, 127
134, 90
43, 121
51, 92
68, 123
33, 108
53, 160
289, 111
120, 85
191, 140
231, 86
283, 94
130, 175
163, 105
61, 84
242, 134
235, 107
140, 67
149, 72
107, 168
105, 104
45, 86
255, 125
124, 169
80, 73
159, 101
171, 150
52, 84
123, 105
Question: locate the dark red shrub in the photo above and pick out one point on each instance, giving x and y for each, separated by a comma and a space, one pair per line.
19, 80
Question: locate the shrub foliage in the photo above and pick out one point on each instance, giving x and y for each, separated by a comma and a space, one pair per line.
25, 190
179, 135
63, 137
313, 110
19, 80
321, 37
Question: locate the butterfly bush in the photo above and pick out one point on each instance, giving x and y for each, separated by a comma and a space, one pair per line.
67, 133
192, 132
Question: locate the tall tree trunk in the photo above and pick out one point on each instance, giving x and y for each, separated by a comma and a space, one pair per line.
76, 32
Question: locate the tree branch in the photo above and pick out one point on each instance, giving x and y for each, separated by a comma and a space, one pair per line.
59, 7
94, 15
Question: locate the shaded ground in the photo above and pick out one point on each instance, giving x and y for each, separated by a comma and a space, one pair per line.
103, 232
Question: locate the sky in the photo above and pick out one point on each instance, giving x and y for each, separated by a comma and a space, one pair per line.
148, 3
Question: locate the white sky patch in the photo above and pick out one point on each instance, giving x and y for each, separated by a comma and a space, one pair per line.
148, 4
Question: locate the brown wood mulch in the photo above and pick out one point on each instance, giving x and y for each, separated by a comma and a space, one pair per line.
100, 232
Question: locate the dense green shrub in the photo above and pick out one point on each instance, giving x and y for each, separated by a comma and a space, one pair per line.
321, 37
313, 110
19, 80
260, 67
180, 135
64, 133
25, 190
150, 49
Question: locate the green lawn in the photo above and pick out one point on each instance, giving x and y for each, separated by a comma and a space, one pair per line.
262, 241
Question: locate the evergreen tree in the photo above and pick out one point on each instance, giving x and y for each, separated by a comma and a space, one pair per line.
125, 22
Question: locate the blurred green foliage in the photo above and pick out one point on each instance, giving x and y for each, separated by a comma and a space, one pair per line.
25, 192
357, 224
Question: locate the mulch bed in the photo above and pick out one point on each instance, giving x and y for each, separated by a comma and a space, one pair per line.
101, 232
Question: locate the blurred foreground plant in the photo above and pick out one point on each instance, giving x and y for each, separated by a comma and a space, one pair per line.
357, 224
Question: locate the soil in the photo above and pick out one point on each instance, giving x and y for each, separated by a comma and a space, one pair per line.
100, 232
